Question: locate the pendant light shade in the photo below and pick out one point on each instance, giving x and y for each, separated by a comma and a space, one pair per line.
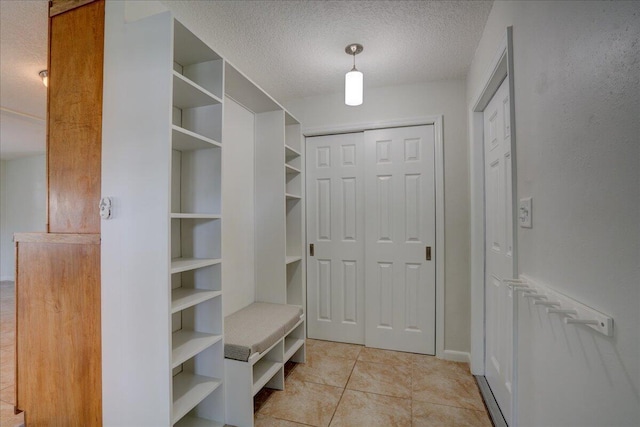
353, 80
353, 88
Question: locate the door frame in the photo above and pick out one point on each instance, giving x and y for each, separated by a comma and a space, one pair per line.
436, 121
499, 69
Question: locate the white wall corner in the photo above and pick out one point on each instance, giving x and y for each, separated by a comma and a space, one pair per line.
7, 279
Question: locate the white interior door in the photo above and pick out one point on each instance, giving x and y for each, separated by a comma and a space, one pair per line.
335, 227
400, 226
499, 260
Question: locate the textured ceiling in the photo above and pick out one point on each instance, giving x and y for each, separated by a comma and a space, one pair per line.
23, 53
292, 49
295, 49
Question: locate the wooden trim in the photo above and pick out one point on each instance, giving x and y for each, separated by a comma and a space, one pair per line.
57, 7
14, 396
46, 125
80, 239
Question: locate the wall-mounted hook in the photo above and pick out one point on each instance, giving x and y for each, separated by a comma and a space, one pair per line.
569, 320
547, 303
562, 311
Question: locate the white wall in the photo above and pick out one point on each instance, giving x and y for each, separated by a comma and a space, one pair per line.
577, 103
238, 267
23, 200
407, 102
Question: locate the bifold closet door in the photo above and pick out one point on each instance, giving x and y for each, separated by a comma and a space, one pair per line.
400, 239
335, 228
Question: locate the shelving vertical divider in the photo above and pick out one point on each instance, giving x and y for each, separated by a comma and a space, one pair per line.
162, 319
196, 233
294, 229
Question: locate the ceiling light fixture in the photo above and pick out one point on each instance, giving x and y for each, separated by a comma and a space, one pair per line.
44, 75
353, 79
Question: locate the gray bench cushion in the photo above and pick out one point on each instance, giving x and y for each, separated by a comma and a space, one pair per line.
257, 327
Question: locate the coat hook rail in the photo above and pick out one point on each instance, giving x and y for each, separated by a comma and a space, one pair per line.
573, 312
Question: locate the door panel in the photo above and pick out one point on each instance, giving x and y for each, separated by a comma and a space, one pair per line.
335, 225
499, 263
400, 223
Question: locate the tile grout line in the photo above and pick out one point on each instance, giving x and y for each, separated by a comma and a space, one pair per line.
411, 392
345, 387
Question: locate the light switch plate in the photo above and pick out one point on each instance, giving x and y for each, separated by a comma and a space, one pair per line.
525, 213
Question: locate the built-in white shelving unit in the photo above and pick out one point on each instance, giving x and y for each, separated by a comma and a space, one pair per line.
162, 294
294, 212
196, 234
163, 358
279, 214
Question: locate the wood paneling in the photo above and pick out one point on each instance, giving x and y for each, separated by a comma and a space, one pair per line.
76, 52
58, 342
59, 6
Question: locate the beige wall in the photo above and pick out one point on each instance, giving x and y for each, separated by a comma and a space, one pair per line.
445, 98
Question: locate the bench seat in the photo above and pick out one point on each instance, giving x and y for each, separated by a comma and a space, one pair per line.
259, 340
257, 327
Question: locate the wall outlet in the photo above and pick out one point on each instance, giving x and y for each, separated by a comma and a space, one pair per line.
525, 213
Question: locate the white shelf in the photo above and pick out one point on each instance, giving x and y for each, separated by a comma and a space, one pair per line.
182, 298
188, 48
291, 170
291, 345
186, 344
290, 153
263, 371
189, 390
187, 94
194, 215
290, 196
292, 259
197, 422
178, 265
184, 140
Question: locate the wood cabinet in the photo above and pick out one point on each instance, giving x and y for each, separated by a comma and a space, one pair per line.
58, 329
59, 378
74, 119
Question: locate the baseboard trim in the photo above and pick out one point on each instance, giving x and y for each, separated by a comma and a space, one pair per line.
456, 356
490, 402
7, 279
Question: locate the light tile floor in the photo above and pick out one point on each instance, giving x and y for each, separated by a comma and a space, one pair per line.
350, 385
7, 355
340, 385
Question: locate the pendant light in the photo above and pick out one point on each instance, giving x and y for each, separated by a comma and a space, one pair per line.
353, 79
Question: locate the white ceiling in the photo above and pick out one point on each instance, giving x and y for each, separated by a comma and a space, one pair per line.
23, 53
292, 49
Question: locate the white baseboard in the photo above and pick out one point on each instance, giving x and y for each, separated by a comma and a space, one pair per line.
456, 356
7, 279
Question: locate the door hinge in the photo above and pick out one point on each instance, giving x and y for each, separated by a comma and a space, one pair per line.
312, 250
428, 253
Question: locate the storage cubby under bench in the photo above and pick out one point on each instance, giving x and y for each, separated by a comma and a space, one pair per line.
259, 340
